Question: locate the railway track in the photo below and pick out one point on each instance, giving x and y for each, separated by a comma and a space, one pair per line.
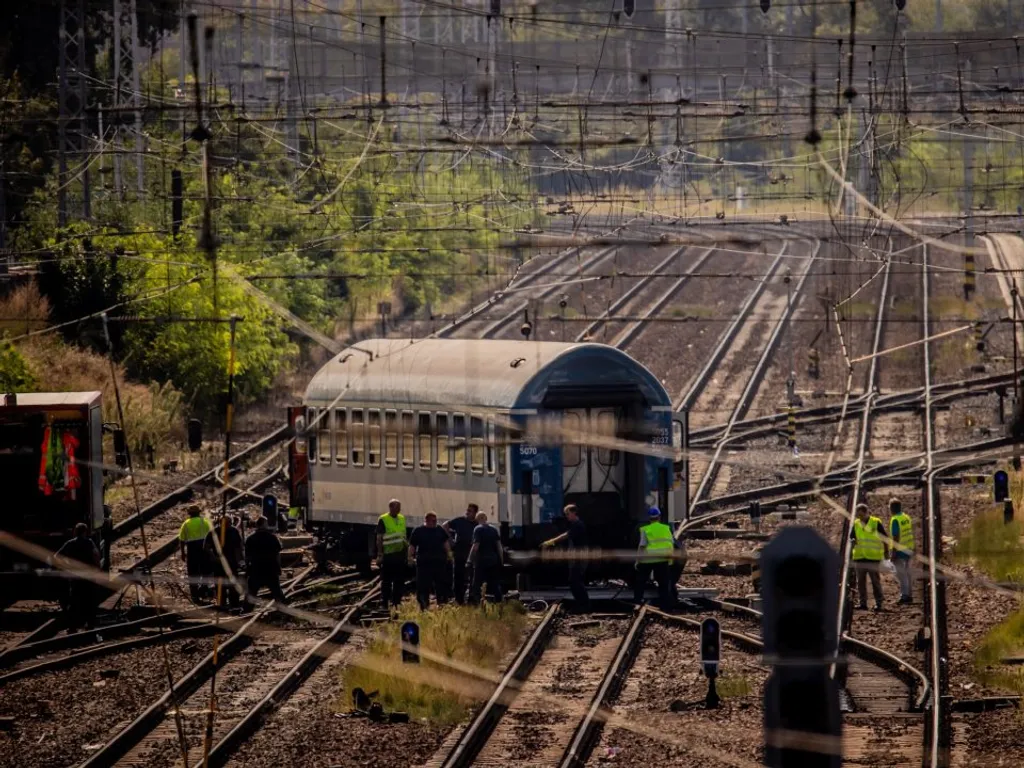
66, 651
545, 710
479, 322
263, 661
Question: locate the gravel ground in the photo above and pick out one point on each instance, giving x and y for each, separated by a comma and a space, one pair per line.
60, 714
992, 740
675, 352
972, 609
666, 671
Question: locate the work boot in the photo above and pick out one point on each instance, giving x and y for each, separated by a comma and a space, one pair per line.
862, 607
878, 608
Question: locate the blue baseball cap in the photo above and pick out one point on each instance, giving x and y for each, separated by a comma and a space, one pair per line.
654, 512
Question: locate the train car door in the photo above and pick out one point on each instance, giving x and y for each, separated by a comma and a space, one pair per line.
298, 460
681, 467
594, 476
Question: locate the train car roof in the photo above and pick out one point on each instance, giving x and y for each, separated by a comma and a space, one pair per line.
477, 372
55, 399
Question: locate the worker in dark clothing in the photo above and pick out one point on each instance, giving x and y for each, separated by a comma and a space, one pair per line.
80, 606
191, 537
263, 561
461, 530
431, 552
575, 539
391, 557
487, 558
232, 548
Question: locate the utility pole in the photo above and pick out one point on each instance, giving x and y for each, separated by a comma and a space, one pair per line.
71, 125
127, 93
938, 15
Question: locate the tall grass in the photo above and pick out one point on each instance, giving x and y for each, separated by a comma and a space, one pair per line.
154, 414
994, 547
477, 638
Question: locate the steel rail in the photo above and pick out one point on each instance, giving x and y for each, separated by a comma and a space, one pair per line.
888, 403
187, 491
495, 326
468, 746
626, 337
915, 679
752, 385
883, 473
138, 729
625, 298
172, 632
166, 547
589, 729
687, 399
871, 387
292, 680
937, 737
471, 314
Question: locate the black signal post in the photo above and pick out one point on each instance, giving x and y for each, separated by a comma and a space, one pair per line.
710, 655
799, 588
1000, 486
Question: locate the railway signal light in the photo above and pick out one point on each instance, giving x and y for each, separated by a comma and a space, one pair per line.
1000, 486
628, 8
269, 508
766, 6
195, 435
410, 643
710, 654
800, 593
1007, 512
120, 448
900, 4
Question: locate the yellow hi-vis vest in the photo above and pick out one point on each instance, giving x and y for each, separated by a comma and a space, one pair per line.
194, 529
906, 542
868, 543
659, 541
394, 533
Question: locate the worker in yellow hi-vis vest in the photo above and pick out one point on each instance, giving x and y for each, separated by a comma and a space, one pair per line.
901, 529
869, 550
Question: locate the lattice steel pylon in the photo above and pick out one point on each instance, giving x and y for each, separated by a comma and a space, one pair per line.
127, 96
72, 127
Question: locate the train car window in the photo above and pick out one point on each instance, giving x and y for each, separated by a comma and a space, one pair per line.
324, 436
390, 439
358, 437
459, 435
311, 420
500, 445
441, 425
424, 439
606, 428
571, 452
476, 445
408, 440
341, 437
373, 427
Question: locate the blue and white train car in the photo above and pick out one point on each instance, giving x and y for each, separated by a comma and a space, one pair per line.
433, 422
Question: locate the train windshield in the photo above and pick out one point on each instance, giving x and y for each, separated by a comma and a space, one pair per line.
44, 471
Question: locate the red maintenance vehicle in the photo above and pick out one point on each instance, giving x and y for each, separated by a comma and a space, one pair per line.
51, 463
